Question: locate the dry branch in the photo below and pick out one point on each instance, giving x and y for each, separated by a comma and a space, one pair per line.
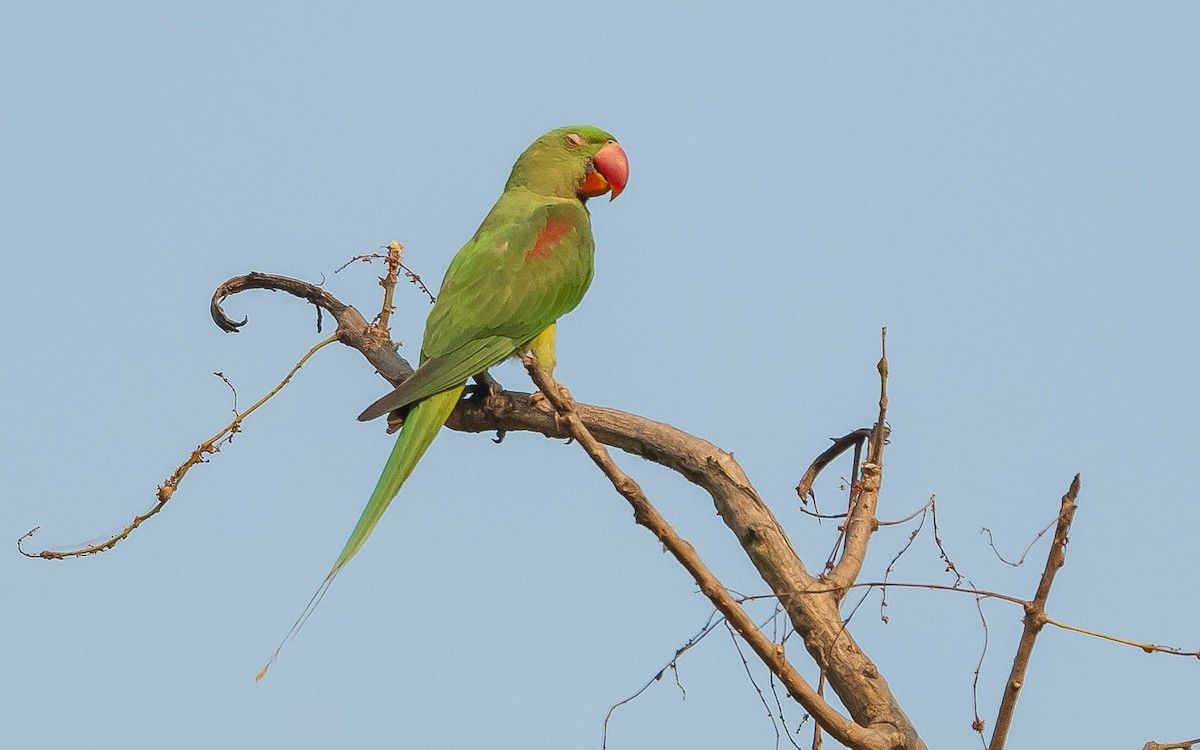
1185, 745
647, 515
840, 445
1035, 618
166, 490
815, 617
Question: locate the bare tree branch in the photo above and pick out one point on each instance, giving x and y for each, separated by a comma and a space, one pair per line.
840, 445
1185, 745
861, 522
647, 515
353, 329
166, 490
816, 618
1035, 618
714, 619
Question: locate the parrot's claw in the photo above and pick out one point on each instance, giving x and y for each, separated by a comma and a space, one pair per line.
538, 399
486, 392
485, 387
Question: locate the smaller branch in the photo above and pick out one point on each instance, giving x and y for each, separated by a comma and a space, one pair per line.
910, 516
840, 446
232, 390
978, 724
1021, 561
823, 516
713, 621
851, 499
816, 745
862, 523
1149, 648
645, 514
388, 282
782, 641
415, 278
887, 573
897, 522
353, 330
367, 258
410, 274
255, 280
1185, 745
937, 539
979, 593
1035, 618
166, 490
762, 698
880, 435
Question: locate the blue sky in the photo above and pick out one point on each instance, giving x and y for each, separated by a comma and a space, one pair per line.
1010, 188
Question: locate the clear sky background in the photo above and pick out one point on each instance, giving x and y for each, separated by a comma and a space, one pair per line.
1011, 188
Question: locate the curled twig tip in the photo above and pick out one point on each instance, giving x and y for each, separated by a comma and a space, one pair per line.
21, 542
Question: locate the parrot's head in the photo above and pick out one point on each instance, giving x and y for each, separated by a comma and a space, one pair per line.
578, 160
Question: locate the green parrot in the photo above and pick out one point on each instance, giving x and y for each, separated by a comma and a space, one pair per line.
528, 264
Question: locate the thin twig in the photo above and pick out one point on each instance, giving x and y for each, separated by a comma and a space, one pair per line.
1021, 561
1149, 648
750, 675
782, 641
166, 490
232, 390
978, 724
887, 573
822, 516
413, 277
937, 539
1035, 618
817, 727
910, 516
713, 621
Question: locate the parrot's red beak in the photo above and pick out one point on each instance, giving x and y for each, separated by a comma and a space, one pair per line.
612, 172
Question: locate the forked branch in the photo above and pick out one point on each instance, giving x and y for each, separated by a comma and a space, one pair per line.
1035, 618
771, 653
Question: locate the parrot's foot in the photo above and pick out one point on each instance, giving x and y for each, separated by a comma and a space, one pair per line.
538, 400
485, 388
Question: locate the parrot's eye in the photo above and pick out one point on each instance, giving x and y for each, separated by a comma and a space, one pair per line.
574, 140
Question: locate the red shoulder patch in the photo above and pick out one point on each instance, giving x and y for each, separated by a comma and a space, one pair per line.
556, 228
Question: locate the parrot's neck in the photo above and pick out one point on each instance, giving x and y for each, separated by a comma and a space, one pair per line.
547, 175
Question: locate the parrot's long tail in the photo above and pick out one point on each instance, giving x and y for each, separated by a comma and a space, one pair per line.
421, 426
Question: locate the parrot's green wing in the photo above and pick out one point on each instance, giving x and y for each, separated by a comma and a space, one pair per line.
439, 373
508, 284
